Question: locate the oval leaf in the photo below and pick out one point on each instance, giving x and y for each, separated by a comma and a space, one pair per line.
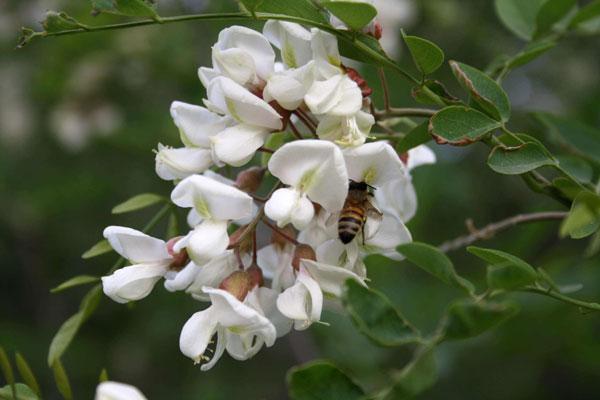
506, 272
519, 16
466, 318
484, 91
137, 203
460, 126
76, 281
584, 218
590, 11
376, 317
530, 53
355, 14
519, 160
436, 263
428, 57
23, 392
551, 13
27, 374
102, 247
130, 8
320, 380
60, 21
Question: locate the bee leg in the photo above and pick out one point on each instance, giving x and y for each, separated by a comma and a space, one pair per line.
362, 230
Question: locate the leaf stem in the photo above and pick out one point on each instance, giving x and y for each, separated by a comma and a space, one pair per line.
492, 229
404, 112
386, 89
562, 297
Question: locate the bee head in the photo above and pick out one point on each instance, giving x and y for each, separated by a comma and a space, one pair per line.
362, 186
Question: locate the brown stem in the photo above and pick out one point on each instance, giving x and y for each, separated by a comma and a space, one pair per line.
490, 230
280, 232
266, 150
307, 123
404, 112
295, 131
386, 90
254, 248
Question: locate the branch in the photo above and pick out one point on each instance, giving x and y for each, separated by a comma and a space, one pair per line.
491, 230
404, 112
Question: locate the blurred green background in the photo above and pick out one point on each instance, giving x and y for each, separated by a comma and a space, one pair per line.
79, 117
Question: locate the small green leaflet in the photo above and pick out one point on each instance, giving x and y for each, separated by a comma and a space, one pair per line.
552, 12
519, 159
27, 374
75, 281
460, 126
23, 392
584, 218
355, 14
130, 8
138, 202
102, 247
60, 21
62, 380
320, 380
519, 16
506, 272
427, 56
467, 318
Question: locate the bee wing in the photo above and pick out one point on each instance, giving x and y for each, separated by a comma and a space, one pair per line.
374, 217
333, 218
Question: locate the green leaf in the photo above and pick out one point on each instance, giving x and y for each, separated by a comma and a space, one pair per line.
274, 141
63, 338
551, 12
27, 374
416, 137
376, 317
130, 8
305, 9
569, 188
355, 14
102, 247
484, 91
60, 21
427, 56
530, 52
519, 16
436, 263
433, 92
75, 281
23, 392
594, 246
520, 159
506, 272
466, 318
321, 380
7, 369
138, 202
419, 375
587, 13
62, 380
580, 138
460, 126
584, 218
580, 169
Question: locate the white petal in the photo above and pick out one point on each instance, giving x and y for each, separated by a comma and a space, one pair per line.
375, 163
241, 105
196, 124
208, 240
292, 39
391, 233
302, 302
338, 96
251, 42
117, 391
303, 213
420, 155
212, 274
212, 199
219, 349
286, 90
236, 64
236, 145
350, 131
398, 198
206, 75
197, 333
325, 47
175, 281
173, 164
331, 279
136, 246
134, 282
315, 167
268, 303
289, 205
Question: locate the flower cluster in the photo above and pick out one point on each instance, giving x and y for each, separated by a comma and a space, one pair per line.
259, 293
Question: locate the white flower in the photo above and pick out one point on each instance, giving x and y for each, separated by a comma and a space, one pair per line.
240, 329
346, 131
173, 164
276, 264
315, 171
318, 231
292, 39
151, 261
117, 391
326, 54
303, 302
216, 203
212, 274
289, 87
242, 55
337, 96
375, 163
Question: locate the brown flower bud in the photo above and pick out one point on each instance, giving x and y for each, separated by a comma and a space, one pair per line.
281, 241
377, 30
249, 180
360, 81
303, 252
238, 284
256, 276
180, 259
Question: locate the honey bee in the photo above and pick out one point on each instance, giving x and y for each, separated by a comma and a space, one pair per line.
355, 212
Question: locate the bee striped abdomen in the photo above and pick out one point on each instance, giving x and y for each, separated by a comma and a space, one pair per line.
350, 223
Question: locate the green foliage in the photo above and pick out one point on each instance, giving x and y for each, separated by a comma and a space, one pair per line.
459, 125
467, 318
304, 9
436, 263
62, 339
27, 374
505, 272
519, 16
519, 159
484, 91
138, 202
532, 51
130, 8
321, 380
587, 13
62, 380
584, 217
102, 247
551, 12
355, 14
7, 370
376, 317
75, 281
416, 137
427, 56
433, 92
60, 21
22, 392
419, 375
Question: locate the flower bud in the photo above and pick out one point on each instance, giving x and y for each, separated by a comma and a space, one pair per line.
360, 81
256, 276
249, 180
303, 252
281, 241
238, 284
180, 259
376, 30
